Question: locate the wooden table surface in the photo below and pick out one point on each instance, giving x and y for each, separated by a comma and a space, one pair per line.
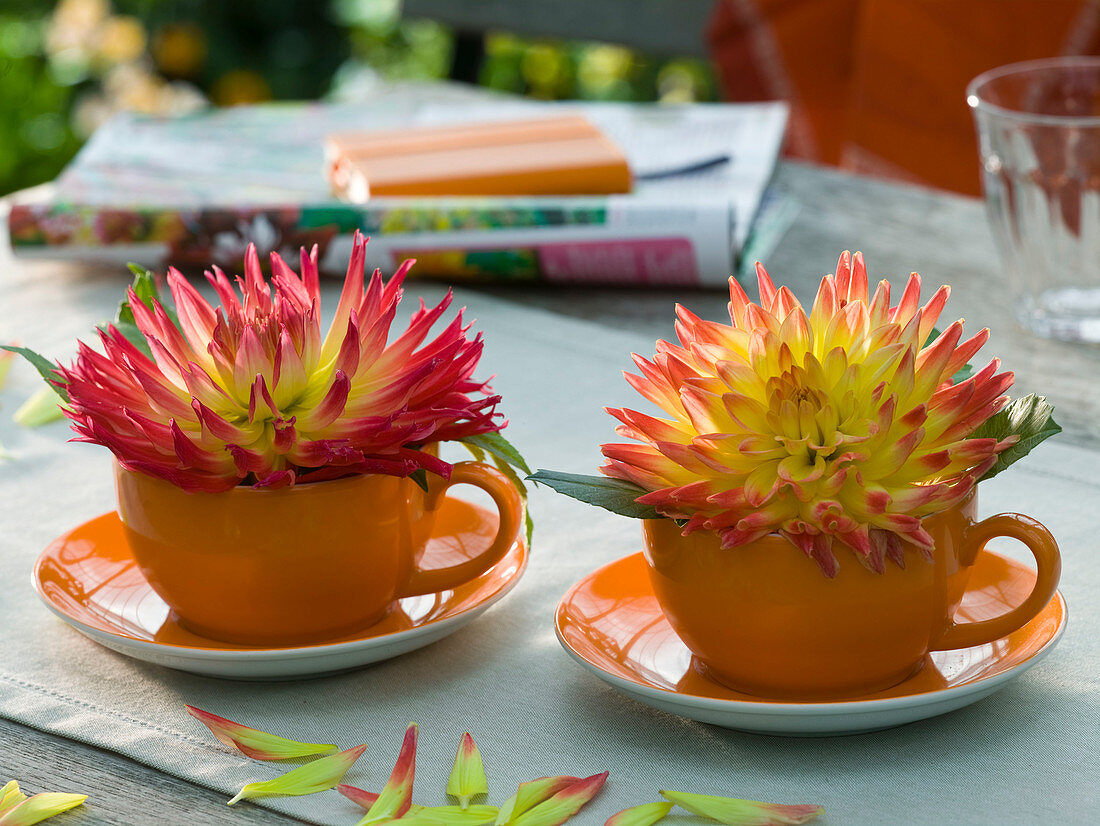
899, 229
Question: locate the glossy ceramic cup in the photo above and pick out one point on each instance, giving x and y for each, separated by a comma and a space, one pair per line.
303, 564
763, 619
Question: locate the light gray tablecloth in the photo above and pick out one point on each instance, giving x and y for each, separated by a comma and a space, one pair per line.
1026, 755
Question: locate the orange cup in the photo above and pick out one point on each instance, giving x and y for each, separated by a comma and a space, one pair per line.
303, 564
762, 619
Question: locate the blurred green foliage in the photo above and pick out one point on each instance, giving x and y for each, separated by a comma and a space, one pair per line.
35, 135
68, 65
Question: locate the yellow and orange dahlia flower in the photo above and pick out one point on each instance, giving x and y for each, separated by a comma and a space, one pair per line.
840, 425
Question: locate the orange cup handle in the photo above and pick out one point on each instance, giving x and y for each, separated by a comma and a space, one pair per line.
510, 507
1048, 563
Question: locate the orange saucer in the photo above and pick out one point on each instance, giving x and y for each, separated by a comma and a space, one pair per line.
611, 624
90, 580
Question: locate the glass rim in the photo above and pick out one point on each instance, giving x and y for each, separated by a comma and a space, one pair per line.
978, 104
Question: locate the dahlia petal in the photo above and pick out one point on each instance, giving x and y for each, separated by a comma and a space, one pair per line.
685, 456
819, 547
744, 812
450, 816
642, 457
966, 351
910, 301
311, 275
747, 412
330, 407
224, 288
350, 298
250, 461
467, 779
259, 745
644, 815
784, 304
191, 455
196, 316
652, 428
289, 376
914, 499
531, 794
739, 300
36, 808
396, 796
843, 275
879, 308
315, 776
796, 470
288, 286
260, 402
931, 463
10, 796
257, 295
932, 361
251, 361
653, 385
888, 544
347, 359
765, 285
220, 428
359, 797
563, 805
931, 311
762, 483
276, 479
286, 436
737, 536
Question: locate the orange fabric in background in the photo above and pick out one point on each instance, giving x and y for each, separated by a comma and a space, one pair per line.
879, 86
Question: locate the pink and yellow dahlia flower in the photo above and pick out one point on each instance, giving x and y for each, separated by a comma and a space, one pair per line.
250, 392
841, 425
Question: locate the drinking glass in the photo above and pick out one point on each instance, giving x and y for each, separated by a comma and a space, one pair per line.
1038, 127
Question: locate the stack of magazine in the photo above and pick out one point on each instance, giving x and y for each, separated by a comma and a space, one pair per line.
196, 190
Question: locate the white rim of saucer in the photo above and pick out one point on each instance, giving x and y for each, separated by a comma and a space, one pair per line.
836, 707
301, 653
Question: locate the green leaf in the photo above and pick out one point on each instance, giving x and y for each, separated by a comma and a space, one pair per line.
614, 495
420, 476
517, 483
475, 451
46, 368
145, 283
964, 372
528, 527
1031, 418
500, 447
505, 457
